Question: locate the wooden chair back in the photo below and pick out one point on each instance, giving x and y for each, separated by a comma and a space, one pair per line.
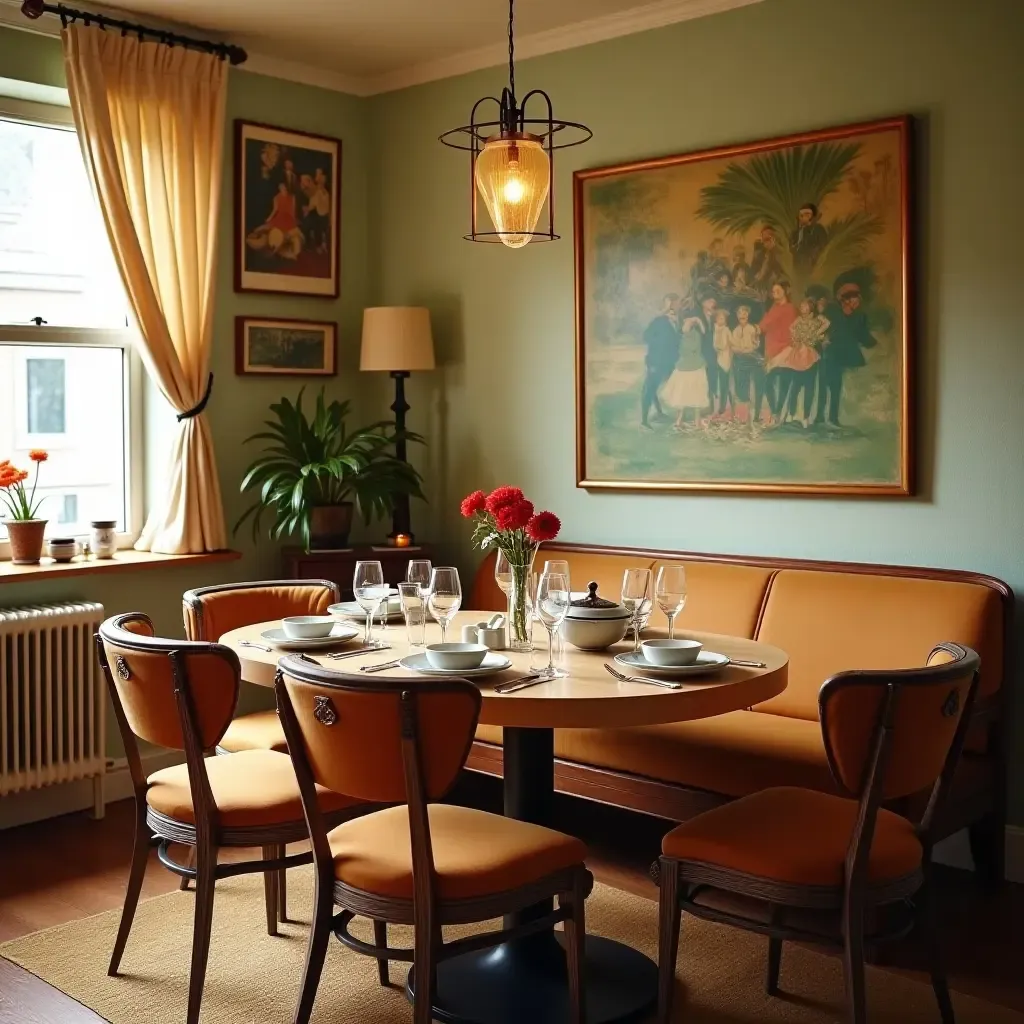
210, 612
164, 689
895, 733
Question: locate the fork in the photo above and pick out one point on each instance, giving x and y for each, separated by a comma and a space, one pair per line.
381, 666
258, 647
667, 684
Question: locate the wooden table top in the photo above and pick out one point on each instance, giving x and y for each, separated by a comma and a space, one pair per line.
587, 698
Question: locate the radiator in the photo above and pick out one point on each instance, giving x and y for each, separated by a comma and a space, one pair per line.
52, 698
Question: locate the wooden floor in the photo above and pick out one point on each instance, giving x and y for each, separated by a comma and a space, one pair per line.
72, 867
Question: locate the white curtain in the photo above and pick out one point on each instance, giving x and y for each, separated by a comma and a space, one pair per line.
151, 123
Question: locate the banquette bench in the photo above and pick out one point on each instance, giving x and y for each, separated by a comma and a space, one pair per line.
828, 617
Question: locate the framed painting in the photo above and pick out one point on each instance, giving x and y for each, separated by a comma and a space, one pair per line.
287, 211
302, 348
742, 317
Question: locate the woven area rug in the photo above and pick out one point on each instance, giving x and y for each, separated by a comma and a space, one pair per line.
254, 978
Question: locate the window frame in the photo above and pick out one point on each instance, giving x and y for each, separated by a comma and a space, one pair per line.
29, 335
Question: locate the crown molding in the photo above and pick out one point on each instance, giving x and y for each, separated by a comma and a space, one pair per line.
568, 37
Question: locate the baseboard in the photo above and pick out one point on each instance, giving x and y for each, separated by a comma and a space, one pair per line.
69, 797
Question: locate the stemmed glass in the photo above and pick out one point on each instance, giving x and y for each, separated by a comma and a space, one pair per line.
370, 591
561, 567
418, 572
445, 596
503, 574
550, 606
670, 593
636, 599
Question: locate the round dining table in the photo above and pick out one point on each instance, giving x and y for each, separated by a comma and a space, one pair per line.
524, 981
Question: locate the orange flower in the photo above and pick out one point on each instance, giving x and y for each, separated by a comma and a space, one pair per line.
38, 455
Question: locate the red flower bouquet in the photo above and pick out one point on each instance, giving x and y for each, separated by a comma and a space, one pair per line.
505, 519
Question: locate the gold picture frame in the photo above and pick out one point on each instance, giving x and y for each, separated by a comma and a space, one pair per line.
784, 268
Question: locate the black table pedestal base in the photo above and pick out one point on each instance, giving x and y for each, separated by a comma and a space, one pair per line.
524, 982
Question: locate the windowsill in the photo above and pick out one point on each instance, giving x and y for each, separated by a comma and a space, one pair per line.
127, 560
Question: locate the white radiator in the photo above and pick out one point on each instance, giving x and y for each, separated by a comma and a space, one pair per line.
52, 698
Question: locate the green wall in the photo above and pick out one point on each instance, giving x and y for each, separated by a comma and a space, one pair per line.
238, 404
502, 409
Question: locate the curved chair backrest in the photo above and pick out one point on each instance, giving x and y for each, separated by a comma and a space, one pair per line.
356, 734
907, 725
145, 671
210, 612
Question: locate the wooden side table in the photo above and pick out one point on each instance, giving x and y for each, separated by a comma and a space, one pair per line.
340, 566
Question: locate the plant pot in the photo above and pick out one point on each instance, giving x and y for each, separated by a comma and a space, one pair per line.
26, 537
330, 525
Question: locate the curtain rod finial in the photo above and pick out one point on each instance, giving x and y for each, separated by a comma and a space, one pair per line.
33, 9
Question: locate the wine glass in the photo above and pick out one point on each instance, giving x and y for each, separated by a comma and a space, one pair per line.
550, 606
445, 596
636, 599
503, 574
670, 593
418, 572
561, 567
370, 591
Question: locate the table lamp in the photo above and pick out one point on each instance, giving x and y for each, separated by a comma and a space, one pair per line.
398, 339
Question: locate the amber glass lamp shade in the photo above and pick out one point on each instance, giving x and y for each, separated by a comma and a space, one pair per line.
513, 175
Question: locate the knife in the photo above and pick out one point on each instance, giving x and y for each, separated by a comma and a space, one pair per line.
522, 683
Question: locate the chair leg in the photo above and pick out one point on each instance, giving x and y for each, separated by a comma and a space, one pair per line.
575, 942
771, 981
669, 920
380, 938
316, 950
929, 923
206, 880
270, 892
282, 886
140, 858
853, 965
190, 862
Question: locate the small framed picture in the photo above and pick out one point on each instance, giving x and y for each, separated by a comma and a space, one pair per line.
287, 203
302, 348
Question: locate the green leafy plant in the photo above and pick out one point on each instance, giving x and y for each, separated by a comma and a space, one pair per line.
311, 462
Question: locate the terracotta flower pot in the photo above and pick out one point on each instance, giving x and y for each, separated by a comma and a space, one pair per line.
330, 525
26, 537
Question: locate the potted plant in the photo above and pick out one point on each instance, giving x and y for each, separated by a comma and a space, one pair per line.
313, 473
24, 530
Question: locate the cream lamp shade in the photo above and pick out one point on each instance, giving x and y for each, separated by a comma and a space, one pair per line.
397, 338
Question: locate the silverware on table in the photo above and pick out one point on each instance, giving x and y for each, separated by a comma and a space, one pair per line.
522, 682
666, 683
355, 652
747, 664
259, 647
381, 666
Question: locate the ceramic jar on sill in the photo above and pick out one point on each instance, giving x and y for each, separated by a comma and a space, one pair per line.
103, 538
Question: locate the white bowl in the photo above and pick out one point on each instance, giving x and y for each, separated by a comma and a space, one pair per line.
456, 656
669, 653
307, 627
594, 634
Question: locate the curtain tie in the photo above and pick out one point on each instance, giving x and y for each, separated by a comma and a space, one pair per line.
197, 409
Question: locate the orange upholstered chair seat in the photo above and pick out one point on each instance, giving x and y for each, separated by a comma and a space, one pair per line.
475, 853
795, 836
252, 788
260, 730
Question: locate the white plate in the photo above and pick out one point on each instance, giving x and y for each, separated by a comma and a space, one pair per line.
353, 610
637, 664
493, 662
341, 632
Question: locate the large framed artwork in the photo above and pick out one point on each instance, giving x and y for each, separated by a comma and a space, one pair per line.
305, 348
743, 317
287, 211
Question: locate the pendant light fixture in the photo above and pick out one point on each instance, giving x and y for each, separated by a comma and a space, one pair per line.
512, 160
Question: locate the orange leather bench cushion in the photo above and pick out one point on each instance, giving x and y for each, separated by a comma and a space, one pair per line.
734, 754
828, 622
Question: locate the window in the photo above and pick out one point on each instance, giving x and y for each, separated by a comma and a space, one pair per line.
69, 379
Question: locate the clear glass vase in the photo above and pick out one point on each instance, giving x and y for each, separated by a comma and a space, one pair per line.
520, 614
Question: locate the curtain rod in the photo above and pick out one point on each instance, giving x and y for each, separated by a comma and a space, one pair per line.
225, 51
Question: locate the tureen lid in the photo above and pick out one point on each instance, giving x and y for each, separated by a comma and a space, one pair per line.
593, 607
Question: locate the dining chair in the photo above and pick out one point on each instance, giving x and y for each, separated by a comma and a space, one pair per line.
842, 870
181, 695
420, 862
210, 612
